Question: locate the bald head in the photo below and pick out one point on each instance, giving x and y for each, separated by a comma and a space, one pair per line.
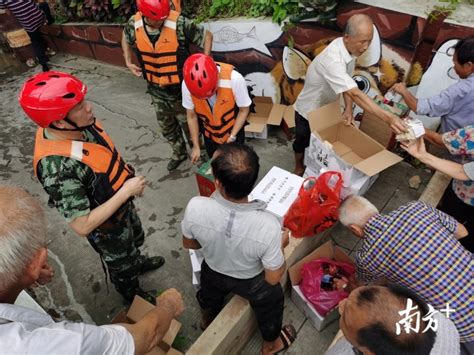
358, 34
22, 233
369, 317
358, 23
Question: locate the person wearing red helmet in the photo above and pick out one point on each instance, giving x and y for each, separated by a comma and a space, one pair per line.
86, 178
217, 95
161, 37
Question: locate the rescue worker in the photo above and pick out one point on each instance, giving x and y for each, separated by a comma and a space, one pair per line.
162, 36
217, 95
86, 178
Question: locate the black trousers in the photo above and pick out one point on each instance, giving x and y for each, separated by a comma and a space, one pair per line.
464, 213
266, 300
212, 146
39, 46
303, 134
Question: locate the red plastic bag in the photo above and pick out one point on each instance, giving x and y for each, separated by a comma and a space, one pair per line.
316, 207
313, 275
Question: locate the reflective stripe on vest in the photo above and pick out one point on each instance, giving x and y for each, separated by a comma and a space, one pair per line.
218, 123
103, 159
159, 62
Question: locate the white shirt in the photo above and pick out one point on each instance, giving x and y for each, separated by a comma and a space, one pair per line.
25, 331
239, 88
237, 239
328, 75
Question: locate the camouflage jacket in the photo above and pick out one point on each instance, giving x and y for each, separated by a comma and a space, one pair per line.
187, 32
69, 183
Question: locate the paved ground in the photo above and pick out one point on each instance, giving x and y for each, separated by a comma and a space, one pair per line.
79, 291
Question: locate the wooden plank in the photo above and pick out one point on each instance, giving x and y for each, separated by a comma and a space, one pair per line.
435, 189
235, 324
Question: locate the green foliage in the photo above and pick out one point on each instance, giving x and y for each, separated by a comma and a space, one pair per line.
208, 9
96, 10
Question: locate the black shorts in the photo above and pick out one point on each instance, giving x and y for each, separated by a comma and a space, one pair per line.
303, 134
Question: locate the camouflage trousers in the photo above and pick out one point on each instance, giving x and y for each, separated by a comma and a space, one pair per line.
118, 243
172, 124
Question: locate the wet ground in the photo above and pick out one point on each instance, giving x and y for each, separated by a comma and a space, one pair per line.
78, 291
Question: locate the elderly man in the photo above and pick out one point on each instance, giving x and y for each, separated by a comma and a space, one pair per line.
86, 178
329, 75
24, 262
415, 246
162, 36
455, 104
242, 246
370, 317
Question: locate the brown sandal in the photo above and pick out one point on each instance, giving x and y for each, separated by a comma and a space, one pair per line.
288, 336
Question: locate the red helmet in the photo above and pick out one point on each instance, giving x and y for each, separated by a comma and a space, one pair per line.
49, 96
154, 9
201, 75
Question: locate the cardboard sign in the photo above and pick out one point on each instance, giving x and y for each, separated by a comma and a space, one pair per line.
279, 188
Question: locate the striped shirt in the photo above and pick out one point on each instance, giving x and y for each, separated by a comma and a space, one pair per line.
414, 246
26, 12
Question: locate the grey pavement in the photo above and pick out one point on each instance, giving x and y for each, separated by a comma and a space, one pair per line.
78, 291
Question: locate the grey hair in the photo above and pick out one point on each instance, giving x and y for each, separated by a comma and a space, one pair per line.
356, 210
355, 21
22, 233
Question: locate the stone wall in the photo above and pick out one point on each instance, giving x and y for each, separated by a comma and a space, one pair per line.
99, 42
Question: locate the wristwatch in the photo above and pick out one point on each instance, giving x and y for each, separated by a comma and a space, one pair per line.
232, 138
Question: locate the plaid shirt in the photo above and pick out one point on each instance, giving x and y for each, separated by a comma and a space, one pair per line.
414, 246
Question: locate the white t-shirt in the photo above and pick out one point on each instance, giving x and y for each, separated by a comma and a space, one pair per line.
237, 239
328, 75
239, 88
25, 331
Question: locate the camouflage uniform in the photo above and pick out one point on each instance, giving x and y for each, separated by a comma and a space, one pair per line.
68, 183
170, 114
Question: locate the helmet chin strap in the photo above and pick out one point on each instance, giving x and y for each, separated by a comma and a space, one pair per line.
77, 128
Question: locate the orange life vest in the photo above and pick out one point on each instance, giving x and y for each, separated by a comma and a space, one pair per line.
160, 61
103, 158
218, 123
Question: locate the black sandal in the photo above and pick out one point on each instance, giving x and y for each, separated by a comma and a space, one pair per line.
287, 336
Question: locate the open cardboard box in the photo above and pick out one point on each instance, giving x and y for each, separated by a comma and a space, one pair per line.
267, 113
279, 189
378, 129
338, 147
327, 250
137, 310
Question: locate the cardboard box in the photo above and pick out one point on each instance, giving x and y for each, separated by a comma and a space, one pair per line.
327, 250
279, 188
346, 149
196, 261
137, 310
267, 113
378, 129
205, 179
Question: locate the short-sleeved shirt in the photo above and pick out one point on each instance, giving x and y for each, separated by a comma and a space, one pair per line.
24, 331
186, 31
26, 12
239, 88
238, 239
415, 246
328, 75
68, 183
455, 105
460, 143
